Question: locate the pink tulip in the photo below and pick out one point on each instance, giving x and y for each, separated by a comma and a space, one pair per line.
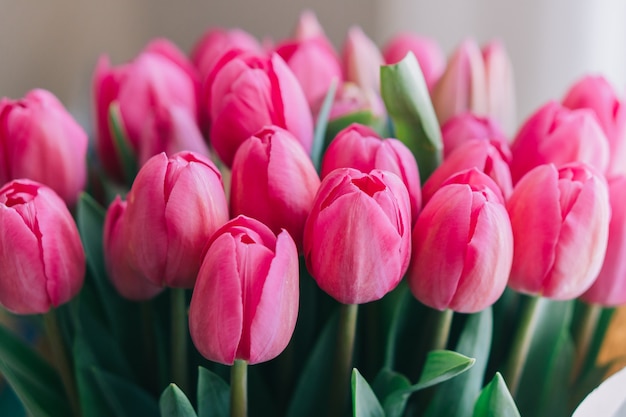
428, 53
609, 289
41, 256
488, 156
155, 89
364, 221
362, 60
129, 282
361, 148
351, 99
554, 134
462, 248
467, 126
173, 208
308, 26
245, 302
274, 181
40, 140
595, 93
248, 92
560, 219
215, 42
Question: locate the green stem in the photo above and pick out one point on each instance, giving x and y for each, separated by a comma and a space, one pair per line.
441, 330
239, 389
584, 336
61, 359
343, 358
179, 338
521, 343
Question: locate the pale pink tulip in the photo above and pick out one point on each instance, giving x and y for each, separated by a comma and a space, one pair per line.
361, 60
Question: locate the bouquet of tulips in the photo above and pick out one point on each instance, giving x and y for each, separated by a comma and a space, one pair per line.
280, 231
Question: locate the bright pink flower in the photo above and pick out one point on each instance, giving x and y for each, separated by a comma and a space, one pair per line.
467, 126
361, 60
428, 53
41, 256
595, 93
364, 222
248, 92
360, 147
351, 99
245, 302
215, 42
129, 282
555, 134
462, 248
488, 156
173, 208
274, 181
609, 289
560, 220
40, 140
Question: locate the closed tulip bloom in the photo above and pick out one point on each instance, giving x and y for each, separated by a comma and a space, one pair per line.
555, 134
215, 42
41, 255
361, 60
364, 222
560, 219
173, 208
245, 302
128, 282
274, 181
609, 289
462, 248
467, 126
595, 93
351, 99
428, 53
249, 92
360, 147
40, 140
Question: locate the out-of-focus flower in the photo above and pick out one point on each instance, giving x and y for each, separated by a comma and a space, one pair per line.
560, 218
41, 255
357, 239
245, 302
428, 53
274, 181
351, 99
361, 60
555, 134
40, 140
462, 247
173, 208
464, 127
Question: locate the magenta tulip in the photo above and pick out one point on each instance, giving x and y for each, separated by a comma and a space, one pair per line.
560, 219
249, 92
361, 148
245, 302
173, 208
555, 134
274, 181
42, 261
40, 140
361, 60
462, 248
215, 42
357, 239
467, 126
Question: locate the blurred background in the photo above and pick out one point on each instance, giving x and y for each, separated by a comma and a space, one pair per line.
55, 44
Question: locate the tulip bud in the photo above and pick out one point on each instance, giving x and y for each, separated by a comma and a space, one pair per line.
362, 60
467, 126
560, 220
40, 140
308, 26
364, 221
174, 206
558, 135
41, 257
274, 181
595, 93
129, 282
248, 92
361, 148
427, 51
462, 248
351, 99
215, 42
245, 302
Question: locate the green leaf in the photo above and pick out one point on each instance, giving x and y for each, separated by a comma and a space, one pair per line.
387, 382
125, 153
364, 401
495, 400
320, 127
213, 395
33, 380
364, 117
455, 398
174, 403
406, 97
